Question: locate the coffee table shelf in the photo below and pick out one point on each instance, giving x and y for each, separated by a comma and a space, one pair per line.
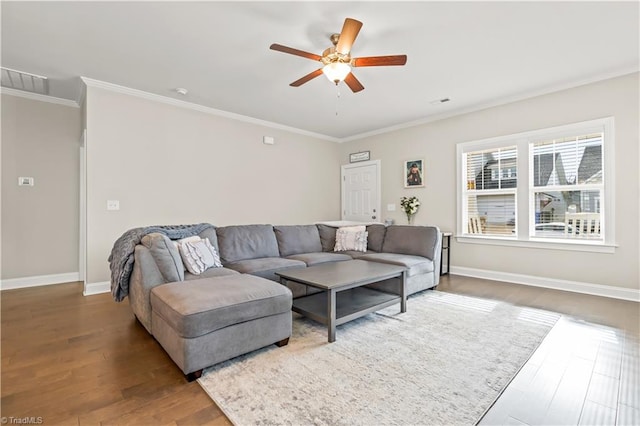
350, 304
344, 296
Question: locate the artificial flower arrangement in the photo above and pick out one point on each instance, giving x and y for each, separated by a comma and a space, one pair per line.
409, 206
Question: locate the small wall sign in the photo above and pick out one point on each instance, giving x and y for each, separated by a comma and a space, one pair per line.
359, 156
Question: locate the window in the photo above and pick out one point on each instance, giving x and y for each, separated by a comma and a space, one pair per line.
490, 193
567, 187
549, 187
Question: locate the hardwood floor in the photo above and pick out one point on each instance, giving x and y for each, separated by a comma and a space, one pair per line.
71, 359
586, 371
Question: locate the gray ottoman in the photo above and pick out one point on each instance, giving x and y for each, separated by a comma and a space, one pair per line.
206, 321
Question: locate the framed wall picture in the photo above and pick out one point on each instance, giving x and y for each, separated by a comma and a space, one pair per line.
413, 173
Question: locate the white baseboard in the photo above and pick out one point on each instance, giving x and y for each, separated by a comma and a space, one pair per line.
96, 288
24, 282
632, 294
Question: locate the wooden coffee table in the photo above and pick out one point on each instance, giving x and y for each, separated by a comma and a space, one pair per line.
344, 297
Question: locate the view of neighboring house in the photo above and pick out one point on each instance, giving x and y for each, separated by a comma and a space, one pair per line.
571, 173
566, 175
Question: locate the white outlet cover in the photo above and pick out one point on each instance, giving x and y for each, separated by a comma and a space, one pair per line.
391, 207
268, 140
113, 205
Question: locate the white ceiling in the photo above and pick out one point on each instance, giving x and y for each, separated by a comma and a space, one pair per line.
476, 53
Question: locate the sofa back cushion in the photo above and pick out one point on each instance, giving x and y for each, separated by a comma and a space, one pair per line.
165, 254
210, 233
242, 242
412, 240
375, 237
327, 236
297, 239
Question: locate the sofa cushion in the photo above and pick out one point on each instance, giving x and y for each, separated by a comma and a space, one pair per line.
243, 242
211, 272
413, 240
357, 254
318, 258
198, 307
210, 233
375, 237
415, 264
297, 239
327, 236
166, 256
265, 267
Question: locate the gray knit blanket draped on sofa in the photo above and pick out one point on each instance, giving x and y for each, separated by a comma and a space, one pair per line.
121, 257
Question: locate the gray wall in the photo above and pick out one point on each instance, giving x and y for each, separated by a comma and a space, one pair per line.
39, 223
171, 165
436, 143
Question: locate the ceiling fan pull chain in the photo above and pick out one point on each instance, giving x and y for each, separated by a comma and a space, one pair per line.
337, 97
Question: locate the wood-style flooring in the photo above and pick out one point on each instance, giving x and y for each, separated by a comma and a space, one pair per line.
75, 360
587, 369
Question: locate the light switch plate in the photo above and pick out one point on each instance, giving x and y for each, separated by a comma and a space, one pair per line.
391, 207
268, 140
113, 205
25, 181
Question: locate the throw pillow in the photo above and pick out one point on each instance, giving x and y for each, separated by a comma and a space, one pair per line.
351, 238
186, 240
198, 256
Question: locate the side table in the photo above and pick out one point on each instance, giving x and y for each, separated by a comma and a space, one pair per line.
446, 247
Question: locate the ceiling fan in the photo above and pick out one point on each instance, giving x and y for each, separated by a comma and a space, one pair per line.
337, 61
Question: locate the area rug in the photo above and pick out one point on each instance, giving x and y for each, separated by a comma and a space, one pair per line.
444, 361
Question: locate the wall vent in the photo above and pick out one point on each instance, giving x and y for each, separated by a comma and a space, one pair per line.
25, 81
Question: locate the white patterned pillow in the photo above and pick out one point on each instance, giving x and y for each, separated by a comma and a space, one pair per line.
199, 255
351, 238
185, 240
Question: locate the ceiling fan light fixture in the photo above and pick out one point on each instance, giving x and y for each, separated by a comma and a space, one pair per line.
337, 61
336, 71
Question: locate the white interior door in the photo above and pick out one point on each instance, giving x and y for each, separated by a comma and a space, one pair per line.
361, 192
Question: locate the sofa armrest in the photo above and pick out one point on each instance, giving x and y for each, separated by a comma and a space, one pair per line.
144, 277
425, 241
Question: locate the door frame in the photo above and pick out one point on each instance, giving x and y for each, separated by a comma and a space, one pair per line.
346, 167
82, 222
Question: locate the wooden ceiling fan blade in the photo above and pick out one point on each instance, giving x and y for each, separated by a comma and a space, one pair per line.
292, 51
348, 35
306, 78
379, 61
353, 83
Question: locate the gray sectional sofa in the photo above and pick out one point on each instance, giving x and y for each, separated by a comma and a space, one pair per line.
224, 312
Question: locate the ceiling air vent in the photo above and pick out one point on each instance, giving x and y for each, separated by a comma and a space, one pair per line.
25, 81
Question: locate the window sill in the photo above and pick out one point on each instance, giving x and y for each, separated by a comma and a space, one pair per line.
584, 246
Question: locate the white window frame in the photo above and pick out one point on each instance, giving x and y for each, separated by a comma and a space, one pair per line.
525, 212
464, 199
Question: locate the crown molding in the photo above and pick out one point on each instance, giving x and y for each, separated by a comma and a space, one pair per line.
82, 95
494, 103
431, 118
38, 97
89, 82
